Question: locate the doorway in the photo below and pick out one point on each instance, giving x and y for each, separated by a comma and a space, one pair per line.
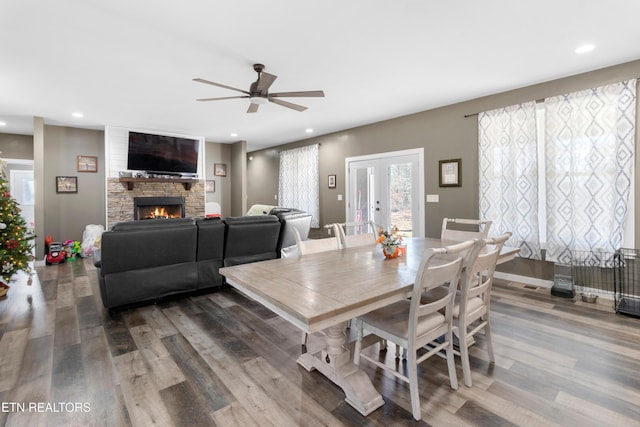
387, 189
21, 185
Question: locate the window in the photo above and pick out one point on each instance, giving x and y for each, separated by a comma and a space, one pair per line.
299, 181
584, 148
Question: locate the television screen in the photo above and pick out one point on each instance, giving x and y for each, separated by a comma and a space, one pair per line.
162, 154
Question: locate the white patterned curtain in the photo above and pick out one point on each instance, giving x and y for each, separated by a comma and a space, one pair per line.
509, 175
299, 181
589, 162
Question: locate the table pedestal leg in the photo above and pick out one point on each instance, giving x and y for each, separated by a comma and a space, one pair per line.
334, 362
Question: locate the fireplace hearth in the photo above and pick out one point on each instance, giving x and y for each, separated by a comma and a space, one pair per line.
158, 207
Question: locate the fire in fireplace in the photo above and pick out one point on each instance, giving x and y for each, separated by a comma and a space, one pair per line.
158, 207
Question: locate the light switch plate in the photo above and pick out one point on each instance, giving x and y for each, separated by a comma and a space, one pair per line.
433, 198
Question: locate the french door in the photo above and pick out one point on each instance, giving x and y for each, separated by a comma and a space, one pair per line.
386, 189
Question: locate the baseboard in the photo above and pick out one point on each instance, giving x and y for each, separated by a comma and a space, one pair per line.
523, 279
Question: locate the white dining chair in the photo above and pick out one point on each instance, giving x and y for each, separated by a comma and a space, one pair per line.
411, 324
364, 233
472, 308
312, 246
459, 230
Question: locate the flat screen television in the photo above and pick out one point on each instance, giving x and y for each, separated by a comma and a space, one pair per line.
162, 154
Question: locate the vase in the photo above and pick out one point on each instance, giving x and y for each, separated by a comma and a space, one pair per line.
390, 251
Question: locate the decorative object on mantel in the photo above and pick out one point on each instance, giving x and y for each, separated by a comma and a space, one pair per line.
87, 163
220, 169
391, 242
15, 244
66, 184
332, 181
450, 172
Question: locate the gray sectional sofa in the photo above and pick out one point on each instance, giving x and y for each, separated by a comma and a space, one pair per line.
142, 261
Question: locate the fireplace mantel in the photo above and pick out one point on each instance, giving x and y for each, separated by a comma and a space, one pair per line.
186, 182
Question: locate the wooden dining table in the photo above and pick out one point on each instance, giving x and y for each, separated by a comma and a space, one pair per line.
324, 290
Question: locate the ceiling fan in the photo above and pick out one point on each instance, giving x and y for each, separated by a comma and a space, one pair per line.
258, 92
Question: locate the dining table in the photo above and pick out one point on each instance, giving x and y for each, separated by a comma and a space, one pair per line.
323, 291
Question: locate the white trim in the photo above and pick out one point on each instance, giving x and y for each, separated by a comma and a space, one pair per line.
523, 279
19, 161
421, 185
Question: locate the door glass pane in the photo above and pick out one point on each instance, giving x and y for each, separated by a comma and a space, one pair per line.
400, 197
362, 197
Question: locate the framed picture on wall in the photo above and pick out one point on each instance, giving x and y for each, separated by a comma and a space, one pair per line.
87, 163
210, 186
66, 184
220, 169
450, 173
332, 181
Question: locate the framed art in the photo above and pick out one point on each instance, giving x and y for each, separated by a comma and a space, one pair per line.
87, 163
66, 184
332, 181
450, 173
220, 169
210, 186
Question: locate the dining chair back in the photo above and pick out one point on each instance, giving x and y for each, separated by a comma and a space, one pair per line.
312, 246
459, 230
364, 233
472, 309
412, 325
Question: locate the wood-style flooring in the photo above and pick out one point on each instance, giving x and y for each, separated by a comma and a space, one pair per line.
221, 359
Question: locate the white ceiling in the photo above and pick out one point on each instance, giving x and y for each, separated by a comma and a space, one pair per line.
131, 63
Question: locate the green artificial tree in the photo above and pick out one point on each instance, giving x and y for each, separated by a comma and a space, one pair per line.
16, 247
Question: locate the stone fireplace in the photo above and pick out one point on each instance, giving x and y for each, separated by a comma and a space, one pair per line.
120, 200
158, 207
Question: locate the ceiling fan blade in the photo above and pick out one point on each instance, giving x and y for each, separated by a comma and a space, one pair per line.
224, 97
253, 108
287, 104
307, 94
265, 80
220, 85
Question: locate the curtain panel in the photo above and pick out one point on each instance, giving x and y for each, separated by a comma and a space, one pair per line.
509, 175
589, 146
299, 185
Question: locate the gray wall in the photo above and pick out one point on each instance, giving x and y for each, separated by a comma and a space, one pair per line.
237, 171
218, 153
14, 146
445, 133
66, 215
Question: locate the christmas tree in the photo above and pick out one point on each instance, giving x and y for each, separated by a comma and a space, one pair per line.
16, 247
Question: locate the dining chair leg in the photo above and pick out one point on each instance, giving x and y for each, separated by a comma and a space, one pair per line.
413, 386
464, 357
489, 341
451, 362
304, 338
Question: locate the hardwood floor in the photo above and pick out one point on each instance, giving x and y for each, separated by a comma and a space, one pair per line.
221, 359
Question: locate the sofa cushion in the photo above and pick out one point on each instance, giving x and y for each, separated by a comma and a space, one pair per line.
251, 239
147, 247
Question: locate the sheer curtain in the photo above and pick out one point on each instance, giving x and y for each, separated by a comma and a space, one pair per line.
299, 181
589, 149
509, 175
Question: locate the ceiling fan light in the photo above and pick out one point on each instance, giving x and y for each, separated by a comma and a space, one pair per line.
258, 100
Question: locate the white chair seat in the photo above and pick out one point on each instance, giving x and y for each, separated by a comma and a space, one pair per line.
395, 320
473, 305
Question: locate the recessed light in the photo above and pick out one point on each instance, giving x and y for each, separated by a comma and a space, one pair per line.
233, 135
3, 123
308, 130
77, 115
585, 48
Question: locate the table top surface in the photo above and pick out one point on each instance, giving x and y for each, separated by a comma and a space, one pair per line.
317, 290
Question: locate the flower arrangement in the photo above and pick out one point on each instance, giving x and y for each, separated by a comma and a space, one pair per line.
390, 241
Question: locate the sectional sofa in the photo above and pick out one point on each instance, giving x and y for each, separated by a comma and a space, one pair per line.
142, 261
